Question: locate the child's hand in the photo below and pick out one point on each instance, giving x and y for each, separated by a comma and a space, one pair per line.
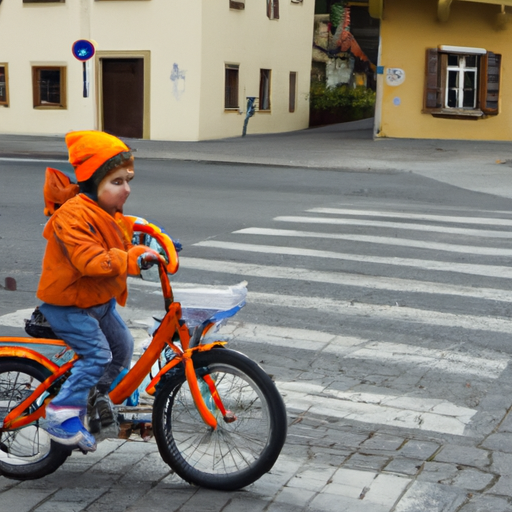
147, 260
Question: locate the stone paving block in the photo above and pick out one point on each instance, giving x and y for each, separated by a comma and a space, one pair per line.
157, 500
119, 499
313, 478
435, 472
501, 463
503, 486
465, 455
294, 496
70, 500
327, 502
473, 479
487, 503
248, 504
420, 450
350, 482
150, 468
382, 442
362, 461
501, 442
403, 466
386, 489
425, 496
19, 500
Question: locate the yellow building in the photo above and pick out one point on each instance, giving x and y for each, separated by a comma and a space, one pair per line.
443, 69
163, 69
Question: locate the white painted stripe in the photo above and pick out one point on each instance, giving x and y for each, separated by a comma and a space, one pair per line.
397, 225
384, 313
502, 272
489, 221
41, 160
446, 360
401, 242
338, 278
429, 414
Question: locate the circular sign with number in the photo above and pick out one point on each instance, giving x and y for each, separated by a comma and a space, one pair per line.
83, 49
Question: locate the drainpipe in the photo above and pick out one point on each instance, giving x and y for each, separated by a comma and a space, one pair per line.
380, 86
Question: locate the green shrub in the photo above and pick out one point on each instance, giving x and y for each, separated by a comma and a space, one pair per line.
344, 103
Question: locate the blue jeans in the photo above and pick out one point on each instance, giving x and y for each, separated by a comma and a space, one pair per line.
101, 339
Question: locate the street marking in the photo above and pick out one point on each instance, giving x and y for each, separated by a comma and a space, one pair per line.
350, 347
345, 279
502, 272
416, 216
397, 225
430, 414
16, 319
401, 242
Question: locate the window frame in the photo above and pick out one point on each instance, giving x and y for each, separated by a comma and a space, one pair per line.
36, 94
273, 9
230, 90
265, 91
5, 103
292, 93
488, 75
43, 1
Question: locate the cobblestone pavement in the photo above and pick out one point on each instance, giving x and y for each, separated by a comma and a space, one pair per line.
428, 431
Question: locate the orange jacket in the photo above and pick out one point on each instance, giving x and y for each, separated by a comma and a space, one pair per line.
88, 256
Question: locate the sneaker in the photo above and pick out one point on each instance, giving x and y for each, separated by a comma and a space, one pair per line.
70, 433
105, 409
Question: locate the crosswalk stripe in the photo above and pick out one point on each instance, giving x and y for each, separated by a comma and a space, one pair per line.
384, 313
490, 221
397, 225
384, 240
428, 414
442, 266
344, 279
351, 347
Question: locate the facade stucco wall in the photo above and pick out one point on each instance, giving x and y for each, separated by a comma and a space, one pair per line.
408, 29
188, 44
254, 42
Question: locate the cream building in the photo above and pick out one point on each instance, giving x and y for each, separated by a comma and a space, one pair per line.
162, 70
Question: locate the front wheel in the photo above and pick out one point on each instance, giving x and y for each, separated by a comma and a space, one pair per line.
238, 451
25, 453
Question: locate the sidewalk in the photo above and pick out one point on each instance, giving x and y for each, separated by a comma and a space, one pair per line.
474, 165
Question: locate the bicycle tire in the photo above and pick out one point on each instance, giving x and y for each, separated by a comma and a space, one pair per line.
26, 453
235, 454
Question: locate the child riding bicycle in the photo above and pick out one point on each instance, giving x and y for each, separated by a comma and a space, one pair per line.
89, 254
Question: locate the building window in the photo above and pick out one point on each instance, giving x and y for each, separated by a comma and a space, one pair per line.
265, 89
462, 82
49, 87
231, 87
239, 5
292, 97
273, 9
43, 1
4, 85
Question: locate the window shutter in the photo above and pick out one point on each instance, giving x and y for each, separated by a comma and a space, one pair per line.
432, 87
269, 9
276, 9
490, 83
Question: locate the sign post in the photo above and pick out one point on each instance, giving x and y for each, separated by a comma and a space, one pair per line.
83, 50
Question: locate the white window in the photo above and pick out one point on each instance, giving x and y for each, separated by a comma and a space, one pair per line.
462, 81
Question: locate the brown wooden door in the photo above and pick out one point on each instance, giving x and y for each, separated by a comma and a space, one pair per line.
123, 96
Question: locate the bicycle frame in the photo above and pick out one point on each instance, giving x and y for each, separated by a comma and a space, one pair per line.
170, 325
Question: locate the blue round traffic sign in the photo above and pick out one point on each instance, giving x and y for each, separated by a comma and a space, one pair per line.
83, 49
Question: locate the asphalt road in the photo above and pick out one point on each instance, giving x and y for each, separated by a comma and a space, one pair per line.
380, 303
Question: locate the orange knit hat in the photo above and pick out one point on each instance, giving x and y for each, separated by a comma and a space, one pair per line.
89, 150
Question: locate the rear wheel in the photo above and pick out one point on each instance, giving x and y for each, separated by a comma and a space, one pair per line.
26, 453
241, 449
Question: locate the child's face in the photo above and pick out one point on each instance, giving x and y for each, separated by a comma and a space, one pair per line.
114, 189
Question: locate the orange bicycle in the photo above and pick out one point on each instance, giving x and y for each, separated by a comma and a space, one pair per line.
217, 417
